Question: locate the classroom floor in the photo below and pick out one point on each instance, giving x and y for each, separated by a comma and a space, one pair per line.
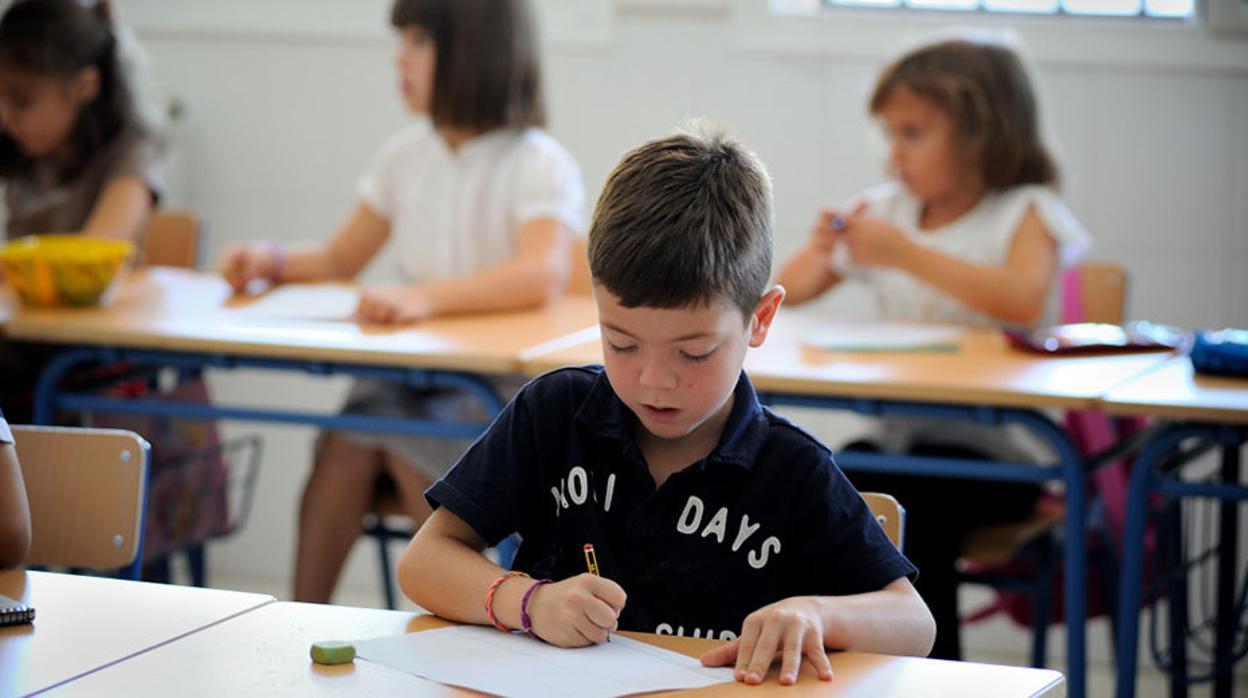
995, 641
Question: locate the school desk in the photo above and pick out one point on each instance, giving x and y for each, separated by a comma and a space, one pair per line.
1195, 414
85, 623
165, 317
264, 652
983, 381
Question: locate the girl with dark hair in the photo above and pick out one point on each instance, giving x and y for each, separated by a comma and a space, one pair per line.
478, 205
75, 155
970, 232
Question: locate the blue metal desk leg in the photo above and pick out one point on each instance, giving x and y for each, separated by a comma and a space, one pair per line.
1076, 579
1129, 584
1177, 591
1228, 548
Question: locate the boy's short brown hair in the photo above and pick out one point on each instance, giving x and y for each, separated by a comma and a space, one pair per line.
984, 88
684, 221
487, 74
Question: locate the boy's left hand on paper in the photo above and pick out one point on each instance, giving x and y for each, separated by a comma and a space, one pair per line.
388, 305
792, 627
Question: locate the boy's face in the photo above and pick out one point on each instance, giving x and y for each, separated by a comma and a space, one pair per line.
676, 368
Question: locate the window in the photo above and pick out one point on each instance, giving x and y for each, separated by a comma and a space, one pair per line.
1104, 8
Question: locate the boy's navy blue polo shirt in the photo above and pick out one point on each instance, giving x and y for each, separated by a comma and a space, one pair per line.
767, 515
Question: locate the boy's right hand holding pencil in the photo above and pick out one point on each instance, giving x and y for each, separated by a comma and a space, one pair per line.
578, 611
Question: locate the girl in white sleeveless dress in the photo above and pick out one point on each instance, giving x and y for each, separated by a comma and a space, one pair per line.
971, 231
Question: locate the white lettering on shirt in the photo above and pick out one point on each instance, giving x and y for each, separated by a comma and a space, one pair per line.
606, 506
690, 523
667, 629
574, 490
759, 560
691, 517
578, 485
717, 525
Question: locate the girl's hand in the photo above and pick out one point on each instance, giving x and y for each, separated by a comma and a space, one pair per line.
242, 264
873, 241
387, 305
578, 611
825, 233
792, 627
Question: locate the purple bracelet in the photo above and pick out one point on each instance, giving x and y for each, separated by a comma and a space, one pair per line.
526, 622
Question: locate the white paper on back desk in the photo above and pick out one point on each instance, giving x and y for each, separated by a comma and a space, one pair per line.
511, 664
305, 302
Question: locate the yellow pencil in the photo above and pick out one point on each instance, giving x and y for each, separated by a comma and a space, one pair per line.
591, 562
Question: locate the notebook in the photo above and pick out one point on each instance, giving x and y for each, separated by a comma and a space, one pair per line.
13, 612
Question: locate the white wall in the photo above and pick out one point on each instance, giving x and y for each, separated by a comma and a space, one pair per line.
286, 100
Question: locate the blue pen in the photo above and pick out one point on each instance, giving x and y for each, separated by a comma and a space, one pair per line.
838, 222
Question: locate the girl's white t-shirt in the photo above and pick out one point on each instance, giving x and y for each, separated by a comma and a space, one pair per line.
982, 236
458, 212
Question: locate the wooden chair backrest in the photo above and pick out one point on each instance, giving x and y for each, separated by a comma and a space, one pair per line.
1102, 292
891, 515
172, 239
87, 489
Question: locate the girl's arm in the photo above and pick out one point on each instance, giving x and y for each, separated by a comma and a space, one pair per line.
1015, 292
345, 254
893, 620
443, 571
14, 511
808, 273
341, 257
535, 276
122, 210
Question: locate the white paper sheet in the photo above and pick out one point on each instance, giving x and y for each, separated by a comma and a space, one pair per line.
511, 664
884, 336
305, 302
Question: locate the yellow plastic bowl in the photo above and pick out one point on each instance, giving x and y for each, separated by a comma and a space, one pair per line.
66, 270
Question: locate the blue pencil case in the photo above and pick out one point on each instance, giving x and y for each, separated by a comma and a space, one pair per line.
1221, 352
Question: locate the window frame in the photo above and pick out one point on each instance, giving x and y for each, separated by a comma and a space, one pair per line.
1075, 41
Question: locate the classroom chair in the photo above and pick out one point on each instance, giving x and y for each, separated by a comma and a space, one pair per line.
1021, 556
88, 491
891, 515
172, 239
1092, 292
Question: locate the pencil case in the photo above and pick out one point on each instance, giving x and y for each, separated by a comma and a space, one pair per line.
1221, 352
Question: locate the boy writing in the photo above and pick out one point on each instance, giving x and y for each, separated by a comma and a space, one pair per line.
710, 515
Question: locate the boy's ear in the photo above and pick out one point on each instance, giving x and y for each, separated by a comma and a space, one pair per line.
85, 85
765, 314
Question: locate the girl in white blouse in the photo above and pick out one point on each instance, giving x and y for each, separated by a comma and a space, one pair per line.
479, 206
970, 231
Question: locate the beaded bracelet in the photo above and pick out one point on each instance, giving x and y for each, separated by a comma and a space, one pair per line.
489, 599
526, 621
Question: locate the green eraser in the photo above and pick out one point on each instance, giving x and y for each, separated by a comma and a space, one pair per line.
333, 652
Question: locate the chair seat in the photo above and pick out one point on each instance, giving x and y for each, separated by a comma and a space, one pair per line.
996, 545
387, 504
